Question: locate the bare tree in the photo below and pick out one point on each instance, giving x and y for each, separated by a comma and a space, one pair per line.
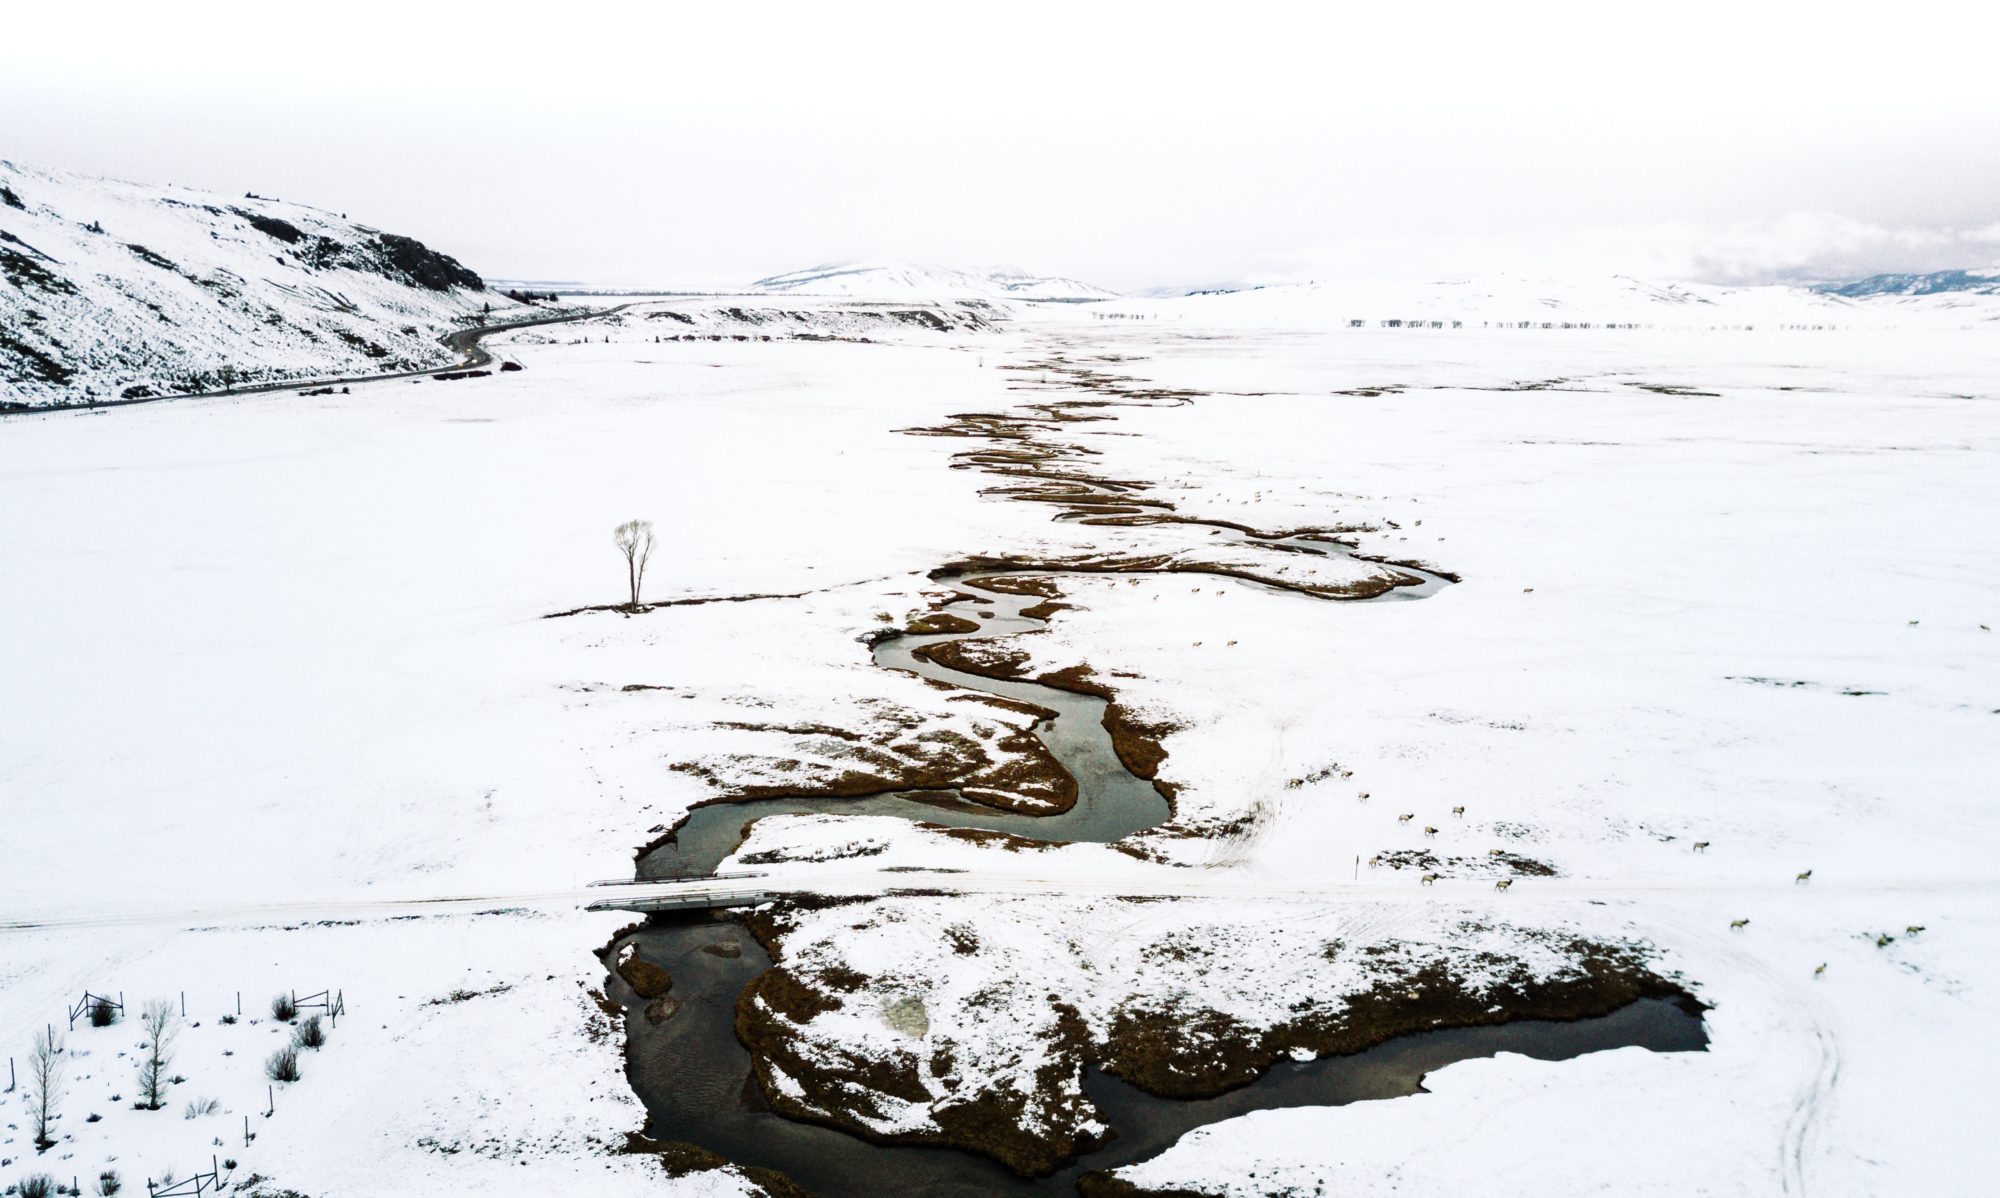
634, 539
158, 1025
45, 1077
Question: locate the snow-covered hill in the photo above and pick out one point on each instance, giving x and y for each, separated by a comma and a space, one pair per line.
1939, 282
1515, 302
123, 290
902, 281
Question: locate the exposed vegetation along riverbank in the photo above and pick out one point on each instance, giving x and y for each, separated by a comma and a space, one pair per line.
1164, 1027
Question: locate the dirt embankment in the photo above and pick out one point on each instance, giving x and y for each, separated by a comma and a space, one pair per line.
837, 1087
1158, 1044
1173, 1052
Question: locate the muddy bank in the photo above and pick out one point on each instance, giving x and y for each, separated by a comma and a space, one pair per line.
1070, 777
702, 1084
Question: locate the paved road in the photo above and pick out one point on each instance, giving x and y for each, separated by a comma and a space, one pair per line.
1148, 881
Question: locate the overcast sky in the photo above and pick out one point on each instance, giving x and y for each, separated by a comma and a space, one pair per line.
1130, 145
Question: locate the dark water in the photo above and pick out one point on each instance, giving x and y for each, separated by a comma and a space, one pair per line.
695, 1078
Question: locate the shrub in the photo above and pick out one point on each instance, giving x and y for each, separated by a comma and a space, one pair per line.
310, 1033
202, 1106
283, 1009
103, 1013
228, 1019
108, 1183
283, 1065
39, 1185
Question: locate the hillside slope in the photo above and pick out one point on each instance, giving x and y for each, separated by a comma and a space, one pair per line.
1938, 282
928, 281
122, 290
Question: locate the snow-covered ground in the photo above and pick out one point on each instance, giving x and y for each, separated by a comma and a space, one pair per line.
277, 675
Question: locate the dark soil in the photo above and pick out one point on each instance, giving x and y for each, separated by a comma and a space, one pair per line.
1177, 1053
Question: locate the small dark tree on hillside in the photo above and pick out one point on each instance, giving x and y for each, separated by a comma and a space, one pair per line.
45, 1077
634, 539
157, 1055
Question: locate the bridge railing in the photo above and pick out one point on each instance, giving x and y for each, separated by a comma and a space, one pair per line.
686, 900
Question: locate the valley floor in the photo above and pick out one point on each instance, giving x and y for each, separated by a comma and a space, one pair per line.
278, 679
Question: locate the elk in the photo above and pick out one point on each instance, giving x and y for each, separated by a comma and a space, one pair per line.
1701, 846
1495, 852
1406, 817
1362, 797
1737, 925
1821, 971
1430, 831
1459, 812
1427, 879
1375, 861
1504, 884
1804, 876
1913, 929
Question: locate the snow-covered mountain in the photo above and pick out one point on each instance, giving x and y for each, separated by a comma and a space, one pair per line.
123, 290
906, 281
1935, 283
1597, 302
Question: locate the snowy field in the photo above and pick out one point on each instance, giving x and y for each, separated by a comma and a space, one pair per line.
283, 714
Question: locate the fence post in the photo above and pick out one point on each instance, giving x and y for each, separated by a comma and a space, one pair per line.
271, 1096
246, 1131
184, 1004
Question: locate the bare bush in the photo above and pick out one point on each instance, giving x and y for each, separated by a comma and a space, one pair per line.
103, 1013
39, 1185
283, 1065
310, 1034
109, 1183
202, 1106
283, 1009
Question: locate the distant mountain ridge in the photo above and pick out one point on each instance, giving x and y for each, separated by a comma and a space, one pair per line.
1937, 282
111, 290
931, 281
